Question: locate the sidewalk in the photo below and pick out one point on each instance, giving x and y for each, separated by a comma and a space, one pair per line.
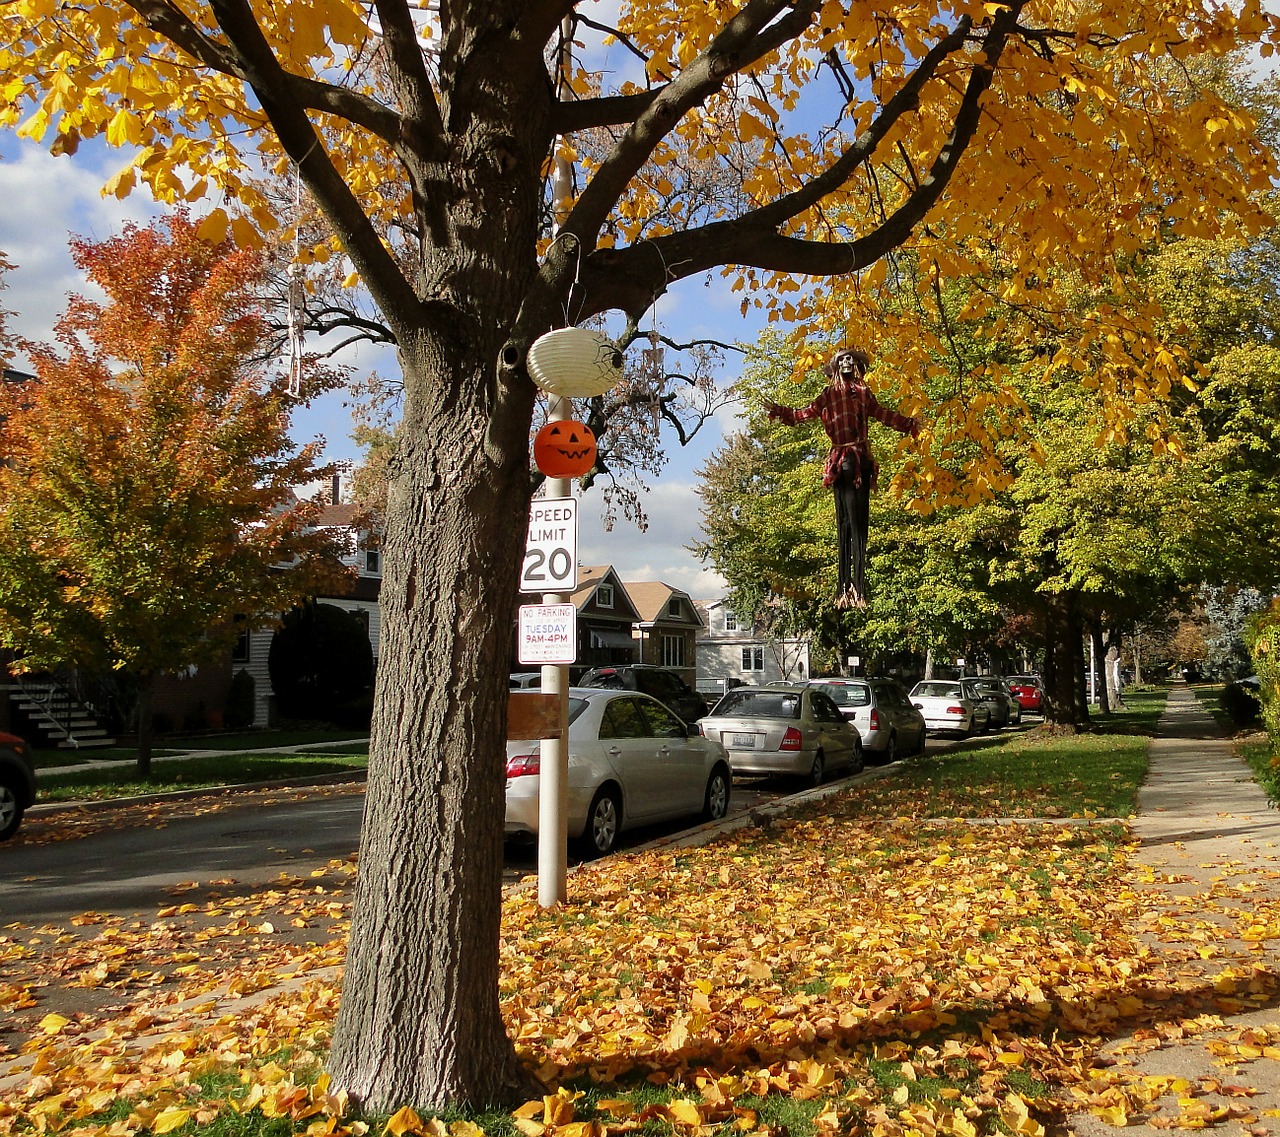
1211, 842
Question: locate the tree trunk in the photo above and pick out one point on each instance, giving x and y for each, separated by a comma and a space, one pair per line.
1098, 667
1064, 663
146, 694
1137, 659
422, 963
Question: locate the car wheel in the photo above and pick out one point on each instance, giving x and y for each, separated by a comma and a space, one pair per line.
817, 771
716, 803
859, 757
603, 821
10, 810
891, 751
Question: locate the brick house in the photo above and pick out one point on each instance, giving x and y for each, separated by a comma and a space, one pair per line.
667, 627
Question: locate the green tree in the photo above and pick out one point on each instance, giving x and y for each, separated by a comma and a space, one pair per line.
146, 503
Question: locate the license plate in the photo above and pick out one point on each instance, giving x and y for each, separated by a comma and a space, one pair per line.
744, 741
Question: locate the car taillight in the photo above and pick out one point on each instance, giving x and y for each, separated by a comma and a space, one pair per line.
875, 719
955, 710
520, 764
792, 740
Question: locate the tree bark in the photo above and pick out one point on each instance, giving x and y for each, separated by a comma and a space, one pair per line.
1064, 664
1098, 667
422, 972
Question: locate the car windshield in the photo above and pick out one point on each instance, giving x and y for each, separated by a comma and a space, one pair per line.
610, 680
1022, 680
936, 690
760, 704
846, 696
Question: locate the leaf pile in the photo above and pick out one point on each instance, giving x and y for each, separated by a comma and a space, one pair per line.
827, 973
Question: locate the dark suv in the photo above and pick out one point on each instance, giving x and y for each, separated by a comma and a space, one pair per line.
17, 783
660, 682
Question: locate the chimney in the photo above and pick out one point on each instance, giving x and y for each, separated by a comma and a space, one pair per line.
335, 496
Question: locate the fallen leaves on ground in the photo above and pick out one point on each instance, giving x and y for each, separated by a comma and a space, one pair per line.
828, 973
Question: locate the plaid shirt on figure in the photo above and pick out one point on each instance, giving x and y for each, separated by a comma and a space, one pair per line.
843, 408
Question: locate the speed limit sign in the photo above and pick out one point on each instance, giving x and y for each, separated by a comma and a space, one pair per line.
551, 550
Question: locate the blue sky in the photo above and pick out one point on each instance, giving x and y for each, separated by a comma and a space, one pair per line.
48, 199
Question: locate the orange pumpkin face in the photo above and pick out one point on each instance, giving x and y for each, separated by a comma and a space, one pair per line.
565, 449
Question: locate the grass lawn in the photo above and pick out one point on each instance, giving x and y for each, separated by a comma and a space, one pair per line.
75, 784
1031, 773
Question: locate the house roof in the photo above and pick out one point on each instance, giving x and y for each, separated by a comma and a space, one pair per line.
590, 577
651, 598
335, 516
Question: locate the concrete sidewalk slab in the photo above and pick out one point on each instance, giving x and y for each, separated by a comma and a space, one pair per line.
1210, 847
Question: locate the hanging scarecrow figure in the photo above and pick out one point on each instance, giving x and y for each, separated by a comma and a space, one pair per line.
850, 469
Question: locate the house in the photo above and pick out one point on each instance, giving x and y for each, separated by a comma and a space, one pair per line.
667, 627
731, 648
606, 619
360, 598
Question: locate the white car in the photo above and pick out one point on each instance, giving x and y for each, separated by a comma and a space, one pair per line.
946, 706
631, 762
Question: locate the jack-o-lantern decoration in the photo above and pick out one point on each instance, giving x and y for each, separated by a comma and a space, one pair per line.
565, 448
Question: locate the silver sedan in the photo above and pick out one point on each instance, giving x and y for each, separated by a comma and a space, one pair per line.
784, 730
631, 762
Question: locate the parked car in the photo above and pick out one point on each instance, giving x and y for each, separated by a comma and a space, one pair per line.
712, 689
525, 681
1001, 686
1029, 693
662, 683
946, 706
987, 689
784, 729
17, 783
881, 712
632, 761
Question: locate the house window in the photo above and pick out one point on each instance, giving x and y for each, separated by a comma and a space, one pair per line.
240, 652
730, 621
673, 651
604, 596
673, 608
753, 659
372, 561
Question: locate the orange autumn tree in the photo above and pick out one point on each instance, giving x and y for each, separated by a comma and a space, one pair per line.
792, 140
146, 503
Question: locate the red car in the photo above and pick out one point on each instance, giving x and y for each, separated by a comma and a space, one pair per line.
1028, 691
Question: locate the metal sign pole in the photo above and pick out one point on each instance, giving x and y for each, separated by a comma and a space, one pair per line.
553, 780
553, 776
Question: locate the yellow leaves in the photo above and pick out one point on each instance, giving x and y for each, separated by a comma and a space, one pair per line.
1016, 1115
169, 1119
53, 1024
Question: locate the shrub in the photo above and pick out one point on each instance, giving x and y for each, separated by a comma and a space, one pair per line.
1241, 703
240, 701
1264, 646
320, 659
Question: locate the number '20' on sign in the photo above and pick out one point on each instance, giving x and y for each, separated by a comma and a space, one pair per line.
551, 550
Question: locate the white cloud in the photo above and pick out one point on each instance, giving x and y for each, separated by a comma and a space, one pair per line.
47, 201
658, 553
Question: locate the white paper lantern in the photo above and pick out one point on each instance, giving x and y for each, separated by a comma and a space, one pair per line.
575, 363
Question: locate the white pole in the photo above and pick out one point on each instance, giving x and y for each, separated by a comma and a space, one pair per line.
553, 778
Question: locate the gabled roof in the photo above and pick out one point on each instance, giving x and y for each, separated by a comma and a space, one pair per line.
590, 578
651, 598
